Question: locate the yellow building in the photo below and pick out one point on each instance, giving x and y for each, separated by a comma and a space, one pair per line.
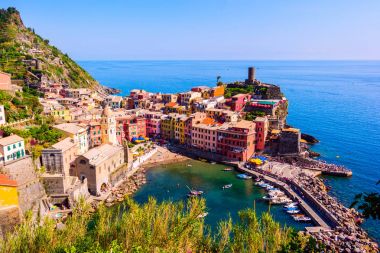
179, 128
8, 191
62, 114
167, 127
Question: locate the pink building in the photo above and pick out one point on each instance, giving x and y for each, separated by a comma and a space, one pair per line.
236, 140
5, 81
135, 127
262, 125
94, 134
153, 124
238, 101
204, 135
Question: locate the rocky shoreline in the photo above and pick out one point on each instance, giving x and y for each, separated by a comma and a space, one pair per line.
126, 188
348, 236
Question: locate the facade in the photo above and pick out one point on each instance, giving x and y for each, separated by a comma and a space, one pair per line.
262, 128
11, 148
168, 98
96, 166
2, 115
204, 135
108, 127
236, 141
8, 192
153, 124
134, 128
77, 133
94, 134
238, 102
179, 128
5, 81
58, 158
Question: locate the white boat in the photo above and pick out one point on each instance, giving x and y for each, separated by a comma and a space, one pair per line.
227, 186
280, 201
202, 215
291, 205
189, 165
244, 176
213, 162
293, 211
301, 218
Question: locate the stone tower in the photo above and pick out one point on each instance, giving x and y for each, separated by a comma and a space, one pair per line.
108, 127
251, 75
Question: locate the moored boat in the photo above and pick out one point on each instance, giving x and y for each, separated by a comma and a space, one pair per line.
228, 169
202, 215
227, 186
244, 176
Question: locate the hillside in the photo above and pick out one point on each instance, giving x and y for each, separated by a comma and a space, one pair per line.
30, 58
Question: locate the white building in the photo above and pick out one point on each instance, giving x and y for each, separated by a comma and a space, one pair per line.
77, 133
11, 148
2, 115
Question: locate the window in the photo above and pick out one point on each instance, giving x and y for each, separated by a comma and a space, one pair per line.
82, 161
14, 145
9, 148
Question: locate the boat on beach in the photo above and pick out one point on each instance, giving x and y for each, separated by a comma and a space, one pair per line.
244, 176
227, 186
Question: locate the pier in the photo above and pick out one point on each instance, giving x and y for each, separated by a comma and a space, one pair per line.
294, 193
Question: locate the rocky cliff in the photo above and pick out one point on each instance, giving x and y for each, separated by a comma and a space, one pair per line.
29, 57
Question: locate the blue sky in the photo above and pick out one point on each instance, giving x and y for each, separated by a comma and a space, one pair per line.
207, 29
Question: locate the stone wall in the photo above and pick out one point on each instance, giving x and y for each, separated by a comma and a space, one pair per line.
30, 188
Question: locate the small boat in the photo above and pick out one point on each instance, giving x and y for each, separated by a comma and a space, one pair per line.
194, 193
291, 205
189, 165
301, 218
202, 215
227, 186
280, 201
228, 169
257, 180
213, 162
244, 176
294, 211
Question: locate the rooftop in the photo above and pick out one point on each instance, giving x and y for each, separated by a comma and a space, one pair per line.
10, 140
70, 128
65, 144
6, 181
102, 153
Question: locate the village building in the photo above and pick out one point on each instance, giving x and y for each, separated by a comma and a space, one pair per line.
204, 135
97, 165
11, 148
262, 128
108, 126
5, 81
8, 192
236, 140
77, 133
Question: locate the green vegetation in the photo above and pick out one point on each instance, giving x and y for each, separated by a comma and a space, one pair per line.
230, 92
252, 115
21, 105
36, 137
368, 203
154, 227
27, 56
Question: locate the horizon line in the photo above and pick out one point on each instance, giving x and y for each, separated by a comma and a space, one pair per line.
310, 60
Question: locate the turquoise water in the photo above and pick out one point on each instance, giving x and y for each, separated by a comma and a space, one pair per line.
170, 182
336, 101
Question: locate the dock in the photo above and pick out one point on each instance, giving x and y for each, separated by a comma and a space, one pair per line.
311, 208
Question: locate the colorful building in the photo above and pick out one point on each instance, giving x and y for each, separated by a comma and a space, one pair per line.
262, 128
153, 124
134, 128
236, 140
204, 135
179, 128
238, 102
8, 191
5, 81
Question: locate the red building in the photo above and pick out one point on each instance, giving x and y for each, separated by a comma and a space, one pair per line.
135, 127
236, 141
262, 125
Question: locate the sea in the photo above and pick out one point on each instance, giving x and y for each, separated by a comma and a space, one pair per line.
338, 102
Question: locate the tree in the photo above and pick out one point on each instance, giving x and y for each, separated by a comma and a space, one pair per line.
368, 203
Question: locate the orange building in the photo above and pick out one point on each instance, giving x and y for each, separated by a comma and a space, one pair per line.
8, 191
217, 91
